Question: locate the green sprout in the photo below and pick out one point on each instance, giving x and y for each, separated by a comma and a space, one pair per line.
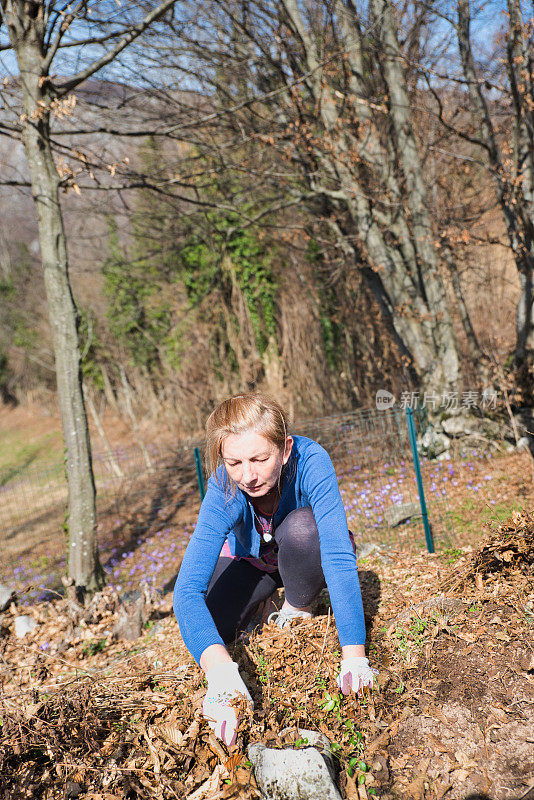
93, 647
263, 671
301, 742
331, 702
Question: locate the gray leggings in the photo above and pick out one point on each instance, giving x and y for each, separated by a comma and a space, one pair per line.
237, 587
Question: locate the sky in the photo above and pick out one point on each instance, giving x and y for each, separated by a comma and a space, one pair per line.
487, 19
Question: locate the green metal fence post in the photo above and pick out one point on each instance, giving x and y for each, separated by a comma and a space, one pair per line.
419, 478
200, 476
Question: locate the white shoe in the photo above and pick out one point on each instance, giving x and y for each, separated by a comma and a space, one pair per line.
284, 617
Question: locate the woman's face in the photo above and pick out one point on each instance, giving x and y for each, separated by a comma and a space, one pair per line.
253, 462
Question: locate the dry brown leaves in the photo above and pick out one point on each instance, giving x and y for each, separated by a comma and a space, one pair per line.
508, 548
454, 691
131, 736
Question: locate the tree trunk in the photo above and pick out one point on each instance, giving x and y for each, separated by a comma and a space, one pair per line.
524, 351
396, 244
519, 61
26, 33
478, 358
273, 368
514, 187
432, 287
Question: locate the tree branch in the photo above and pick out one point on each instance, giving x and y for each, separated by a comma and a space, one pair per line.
63, 28
133, 34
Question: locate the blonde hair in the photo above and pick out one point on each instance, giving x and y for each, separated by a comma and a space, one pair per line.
238, 414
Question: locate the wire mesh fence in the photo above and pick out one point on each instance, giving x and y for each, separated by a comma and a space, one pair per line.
131, 491
374, 463
146, 515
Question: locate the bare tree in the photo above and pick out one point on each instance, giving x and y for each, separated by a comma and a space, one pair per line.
494, 113
40, 33
323, 91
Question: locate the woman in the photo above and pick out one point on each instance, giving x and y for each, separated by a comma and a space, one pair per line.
272, 516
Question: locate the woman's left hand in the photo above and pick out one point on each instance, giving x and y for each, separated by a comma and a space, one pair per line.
355, 675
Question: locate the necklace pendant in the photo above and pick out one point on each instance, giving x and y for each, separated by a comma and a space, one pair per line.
267, 537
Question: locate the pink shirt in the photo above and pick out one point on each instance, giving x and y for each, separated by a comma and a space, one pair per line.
268, 560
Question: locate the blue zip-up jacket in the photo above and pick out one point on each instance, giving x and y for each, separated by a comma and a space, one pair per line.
309, 480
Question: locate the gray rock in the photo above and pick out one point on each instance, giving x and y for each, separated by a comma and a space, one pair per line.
523, 443
367, 549
130, 597
24, 624
290, 774
491, 428
457, 426
73, 789
372, 549
321, 743
402, 512
433, 443
156, 628
6, 596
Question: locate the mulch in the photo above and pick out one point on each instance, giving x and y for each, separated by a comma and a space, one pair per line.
84, 715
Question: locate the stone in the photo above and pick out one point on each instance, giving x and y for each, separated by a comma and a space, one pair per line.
24, 624
433, 443
491, 428
128, 598
321, 743
6, 596
292, 774
523, 443
132, 617
402, 512
155, 628
367, 549
456, 426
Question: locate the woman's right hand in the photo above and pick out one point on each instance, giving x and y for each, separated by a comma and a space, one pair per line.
224, 685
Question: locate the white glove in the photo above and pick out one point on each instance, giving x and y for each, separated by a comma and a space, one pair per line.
224, 684
355, 675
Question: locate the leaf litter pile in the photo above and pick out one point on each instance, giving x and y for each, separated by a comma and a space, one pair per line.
89, 715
